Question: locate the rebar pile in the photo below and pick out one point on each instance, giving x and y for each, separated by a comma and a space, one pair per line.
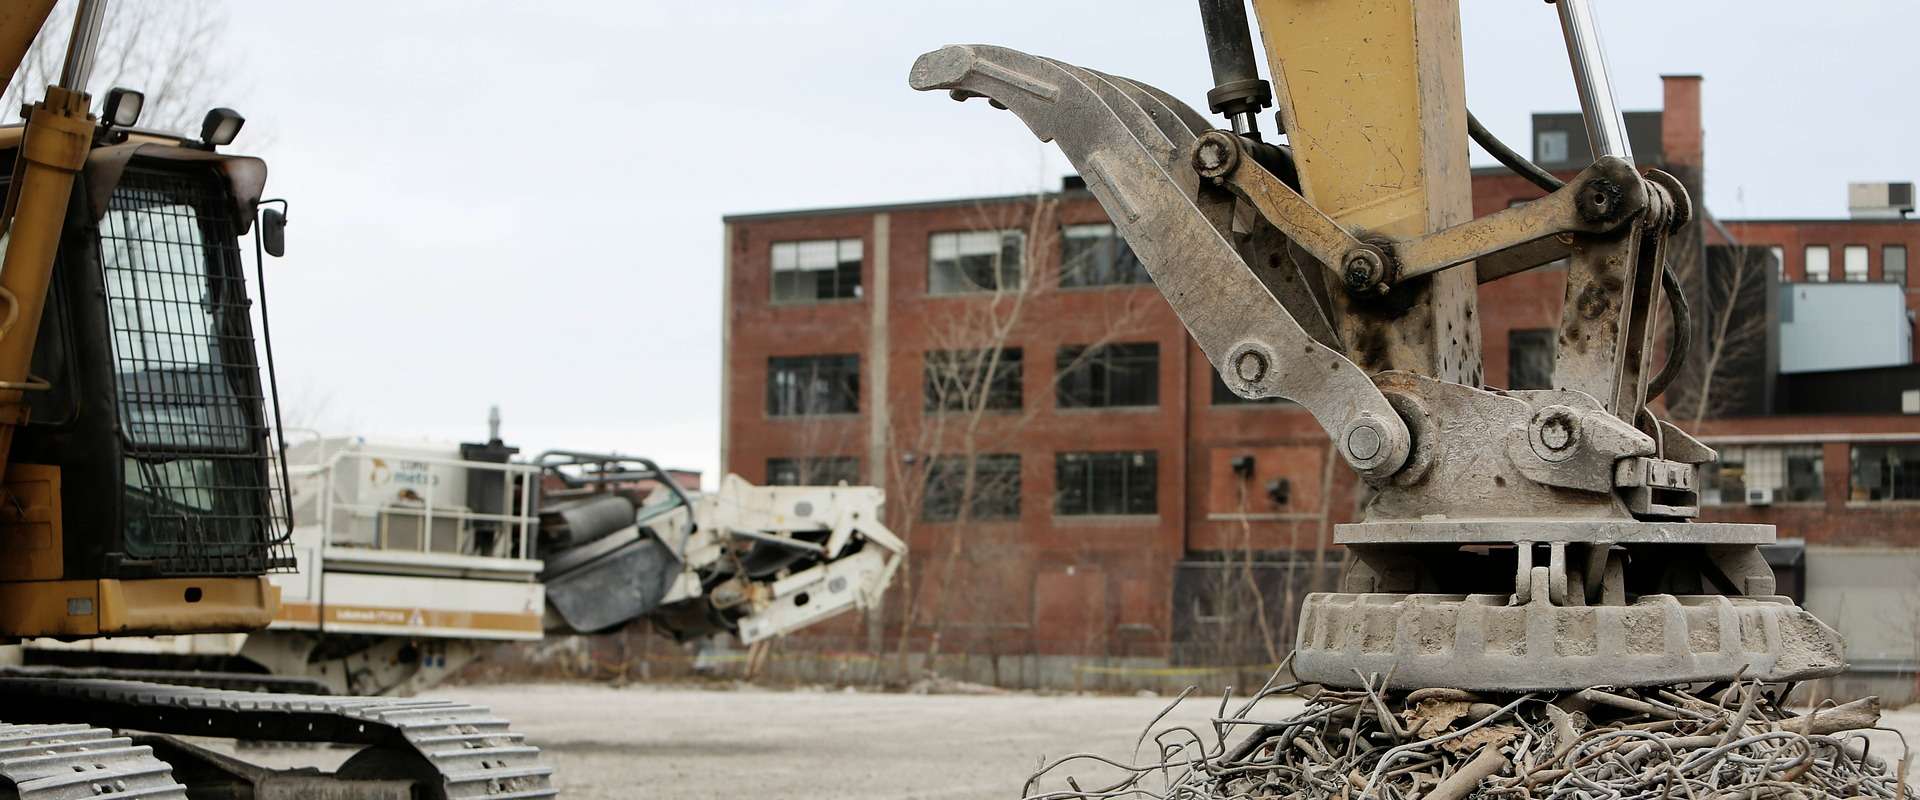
1718, 742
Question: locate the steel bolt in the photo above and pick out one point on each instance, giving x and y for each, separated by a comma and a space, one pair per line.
1599, 200
1363, 270
1557, 432
1216, 154
1364, 441
1251, 366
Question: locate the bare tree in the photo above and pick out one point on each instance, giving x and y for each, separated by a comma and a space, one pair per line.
167, 49
1726, 286
950, 463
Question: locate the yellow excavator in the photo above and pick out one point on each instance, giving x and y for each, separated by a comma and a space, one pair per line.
143, 492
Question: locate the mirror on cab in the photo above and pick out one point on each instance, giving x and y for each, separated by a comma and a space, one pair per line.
273, 232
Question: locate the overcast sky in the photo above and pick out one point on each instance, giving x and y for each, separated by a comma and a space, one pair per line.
519, 203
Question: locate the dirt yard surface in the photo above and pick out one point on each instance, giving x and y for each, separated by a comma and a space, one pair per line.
681, 743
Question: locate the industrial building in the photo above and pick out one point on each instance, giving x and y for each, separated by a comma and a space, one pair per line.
1123, 504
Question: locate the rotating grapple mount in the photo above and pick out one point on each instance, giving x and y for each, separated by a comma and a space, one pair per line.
1514, 540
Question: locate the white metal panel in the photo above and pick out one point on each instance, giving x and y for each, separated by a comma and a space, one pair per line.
1829, 326
1872, 596
399, 605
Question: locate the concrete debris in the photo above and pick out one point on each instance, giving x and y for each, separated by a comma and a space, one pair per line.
939, 684
1698, 742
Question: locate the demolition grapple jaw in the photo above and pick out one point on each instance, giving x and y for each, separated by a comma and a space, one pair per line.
1513, 539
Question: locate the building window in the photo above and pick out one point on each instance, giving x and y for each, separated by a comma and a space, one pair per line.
1886, 472
1105, 483
818, 471
1779, 262
1853, 262
808, 272
1761, 474
1893, 264
974, 261
1109, 376
799, 386
1817, 263
1550, 147
1530, 358
967, 380
1223, 396
996, 488
1096, 255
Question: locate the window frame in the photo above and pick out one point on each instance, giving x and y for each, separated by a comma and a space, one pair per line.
774, 364
1714, 477
1886, 272
840, 267
1074, 360
1006, 391
1089, 504
1825, 274
837, 468
1008, 278
1892, 479
1541, 151
1515, 337
1847, 273
1002, 505
1114, 252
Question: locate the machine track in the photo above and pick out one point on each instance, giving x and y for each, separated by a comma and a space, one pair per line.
454, 750
57, 762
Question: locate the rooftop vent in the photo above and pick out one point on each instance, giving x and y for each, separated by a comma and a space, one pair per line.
1879, 200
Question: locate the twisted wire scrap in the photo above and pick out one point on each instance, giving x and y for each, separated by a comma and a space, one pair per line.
1721, 742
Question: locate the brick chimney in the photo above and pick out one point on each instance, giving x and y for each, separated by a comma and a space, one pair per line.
1680, 134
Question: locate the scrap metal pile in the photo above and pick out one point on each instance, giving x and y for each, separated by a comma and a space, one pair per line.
1725, 741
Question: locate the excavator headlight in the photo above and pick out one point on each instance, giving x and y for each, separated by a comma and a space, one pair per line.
220, 126
122, 108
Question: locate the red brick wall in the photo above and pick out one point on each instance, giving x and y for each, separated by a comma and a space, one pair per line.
1682, 140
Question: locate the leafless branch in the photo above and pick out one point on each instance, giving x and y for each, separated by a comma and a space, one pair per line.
168, 49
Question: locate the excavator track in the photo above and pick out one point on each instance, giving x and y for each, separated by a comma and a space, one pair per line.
452, 749
56, 762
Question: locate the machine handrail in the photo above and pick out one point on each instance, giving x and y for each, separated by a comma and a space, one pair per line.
523, 524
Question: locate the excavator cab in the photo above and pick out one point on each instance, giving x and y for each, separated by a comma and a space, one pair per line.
144, 491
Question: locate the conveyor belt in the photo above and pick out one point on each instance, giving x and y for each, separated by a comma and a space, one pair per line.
471, 751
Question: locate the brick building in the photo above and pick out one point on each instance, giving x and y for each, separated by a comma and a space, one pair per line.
1118, 487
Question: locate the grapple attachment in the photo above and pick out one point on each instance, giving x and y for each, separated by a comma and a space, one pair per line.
1513, 539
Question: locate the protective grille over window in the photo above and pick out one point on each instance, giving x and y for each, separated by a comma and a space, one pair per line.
199, 499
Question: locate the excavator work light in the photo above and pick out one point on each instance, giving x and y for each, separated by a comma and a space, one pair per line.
122, 108
221, 126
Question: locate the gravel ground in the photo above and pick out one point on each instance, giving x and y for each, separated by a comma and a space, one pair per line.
674, 743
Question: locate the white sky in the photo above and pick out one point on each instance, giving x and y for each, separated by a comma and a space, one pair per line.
519, 203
